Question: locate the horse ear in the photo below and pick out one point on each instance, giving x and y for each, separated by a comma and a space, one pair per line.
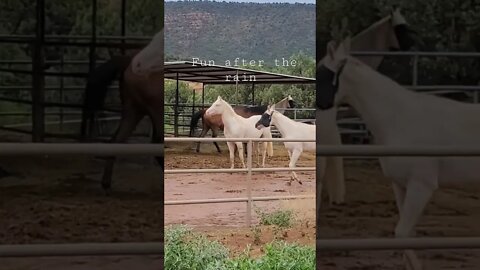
394, 8
397, 17
331, 49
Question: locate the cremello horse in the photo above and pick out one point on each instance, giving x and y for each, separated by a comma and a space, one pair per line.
399, 117
389, 33
236, 126
289, 129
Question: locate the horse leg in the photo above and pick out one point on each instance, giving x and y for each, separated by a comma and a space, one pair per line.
293, 160
202, 135
231, 149
241, 153
156, 116
258, 152
416, 197
264, 153
128, 123
214, 135
399, 192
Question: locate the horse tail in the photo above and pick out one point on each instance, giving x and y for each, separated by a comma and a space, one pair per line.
334, 178
98, 82
268, 134
333, 174
195, 118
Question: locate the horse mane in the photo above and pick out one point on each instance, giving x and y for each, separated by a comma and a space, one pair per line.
381, 78
256, 109
374, 25
228, 105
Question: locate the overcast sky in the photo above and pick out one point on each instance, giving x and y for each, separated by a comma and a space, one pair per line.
264, 1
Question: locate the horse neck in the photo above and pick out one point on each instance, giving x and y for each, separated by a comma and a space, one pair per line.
378, 99
228, 114
281, 105
374, 38
282, 123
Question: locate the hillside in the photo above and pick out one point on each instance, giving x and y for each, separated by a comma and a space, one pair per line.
220, 30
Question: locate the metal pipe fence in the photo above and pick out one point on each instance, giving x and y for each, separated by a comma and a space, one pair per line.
249, 170
22, 149
84, 249
398, 243
433, 89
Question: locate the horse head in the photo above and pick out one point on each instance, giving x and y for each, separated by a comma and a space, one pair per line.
216, 108
266, 119
291, 102
403, 37
328, 75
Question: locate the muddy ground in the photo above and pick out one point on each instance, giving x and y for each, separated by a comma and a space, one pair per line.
59, 200
226, 222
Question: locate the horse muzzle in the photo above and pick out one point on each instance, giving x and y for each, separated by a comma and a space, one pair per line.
259, 126
209, 113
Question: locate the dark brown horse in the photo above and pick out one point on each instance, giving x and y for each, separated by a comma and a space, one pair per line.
215, 123
141, 93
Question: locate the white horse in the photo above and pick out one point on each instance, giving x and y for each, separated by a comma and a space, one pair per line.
236, 126
397, 116
391, 32
289, 129
150, 59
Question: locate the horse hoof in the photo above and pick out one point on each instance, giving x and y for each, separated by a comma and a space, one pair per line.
300, 182
289, 183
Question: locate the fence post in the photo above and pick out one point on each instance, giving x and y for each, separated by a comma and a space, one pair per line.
175, 111
62, 85
415, 70
249, 182
38, 82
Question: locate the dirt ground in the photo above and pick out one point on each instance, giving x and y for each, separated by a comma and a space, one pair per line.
226, 222
59, 200
370, 211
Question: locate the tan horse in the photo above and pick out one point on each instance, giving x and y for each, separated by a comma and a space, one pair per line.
389, 33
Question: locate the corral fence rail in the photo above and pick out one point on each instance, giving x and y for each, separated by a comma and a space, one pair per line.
185, 111
398, 243
249, 170
22, 149
351, 129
